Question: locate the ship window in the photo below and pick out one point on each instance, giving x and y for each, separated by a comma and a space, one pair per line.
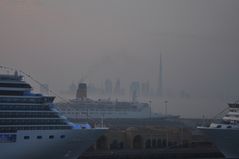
229, 126
7, 138
39, 137
26, 137
12, 85
63, 136
51, 137
219, 126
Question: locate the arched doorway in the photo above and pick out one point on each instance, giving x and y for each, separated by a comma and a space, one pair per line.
114, 145
154, 143
159, 143
148, 144
101, 143
138, 142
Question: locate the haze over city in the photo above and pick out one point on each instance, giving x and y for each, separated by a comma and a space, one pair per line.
59, 42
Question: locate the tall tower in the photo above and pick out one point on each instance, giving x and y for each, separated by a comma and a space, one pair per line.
160, 78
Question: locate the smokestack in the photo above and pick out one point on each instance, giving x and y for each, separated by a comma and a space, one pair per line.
81, 91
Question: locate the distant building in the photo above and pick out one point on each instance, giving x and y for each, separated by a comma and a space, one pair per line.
72, 87
91, 88
135, 90
145, 89
108, 87
184, 94
117, 89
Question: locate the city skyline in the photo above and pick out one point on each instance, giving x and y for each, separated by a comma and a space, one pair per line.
58, 42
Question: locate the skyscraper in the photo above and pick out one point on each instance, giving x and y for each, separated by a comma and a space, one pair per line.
145, 89
108, 87
135, 90
72, 88
160, 78
117, 88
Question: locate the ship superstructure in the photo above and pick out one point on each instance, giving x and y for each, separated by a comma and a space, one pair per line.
225, 133
89, 108
32, 128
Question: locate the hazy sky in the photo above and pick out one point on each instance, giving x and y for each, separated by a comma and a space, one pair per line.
59, 41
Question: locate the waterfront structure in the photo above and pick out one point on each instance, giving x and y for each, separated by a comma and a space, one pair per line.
151, 142
225, 133
32, 128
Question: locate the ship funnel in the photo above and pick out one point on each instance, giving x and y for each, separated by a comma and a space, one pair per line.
81, 91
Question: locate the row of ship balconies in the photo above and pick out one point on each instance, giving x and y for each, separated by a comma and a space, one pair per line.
26, 99
27, 107
23, 114
33, 121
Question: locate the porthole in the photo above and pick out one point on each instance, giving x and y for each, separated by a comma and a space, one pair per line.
63, 136
51, 137
219, 126
26, 137
39, 137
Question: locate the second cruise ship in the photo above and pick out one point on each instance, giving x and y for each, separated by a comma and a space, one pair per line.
83, 107
32, 128
225, 133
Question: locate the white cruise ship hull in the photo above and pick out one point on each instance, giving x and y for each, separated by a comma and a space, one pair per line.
226, 140
71, 146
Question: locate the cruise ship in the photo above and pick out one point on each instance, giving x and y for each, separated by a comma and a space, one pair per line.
225, 134
83, 107
32, 128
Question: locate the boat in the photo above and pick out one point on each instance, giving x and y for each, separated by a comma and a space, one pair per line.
225, 132
83, 107
32, 128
